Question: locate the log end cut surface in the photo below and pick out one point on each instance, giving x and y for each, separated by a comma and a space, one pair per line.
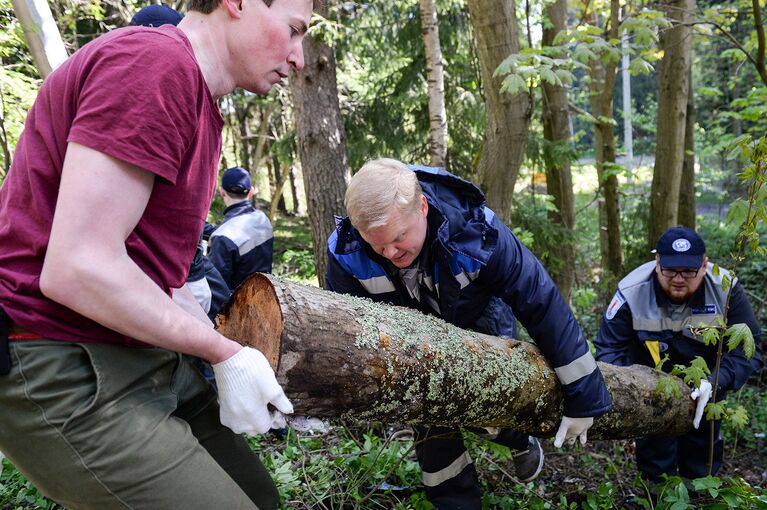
253, 317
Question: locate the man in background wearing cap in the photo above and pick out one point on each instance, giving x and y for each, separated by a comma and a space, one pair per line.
242, 244
100, 215
651, 316
155, 15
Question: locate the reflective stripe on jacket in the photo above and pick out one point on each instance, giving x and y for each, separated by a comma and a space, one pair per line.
242, 244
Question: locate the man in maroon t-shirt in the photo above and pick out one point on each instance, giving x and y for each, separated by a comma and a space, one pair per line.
100, 215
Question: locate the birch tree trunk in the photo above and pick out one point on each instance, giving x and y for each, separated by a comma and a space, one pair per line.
41, 33
495, 26
686, 215
559, 180
436, 84
340, 356
321, 141
602, 86
673, 87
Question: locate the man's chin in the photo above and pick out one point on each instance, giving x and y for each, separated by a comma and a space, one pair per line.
679, 297
402, 263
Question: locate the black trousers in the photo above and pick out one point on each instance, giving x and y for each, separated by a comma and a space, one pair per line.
685, 455
449, 475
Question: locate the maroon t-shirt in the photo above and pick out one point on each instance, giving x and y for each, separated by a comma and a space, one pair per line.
136, 94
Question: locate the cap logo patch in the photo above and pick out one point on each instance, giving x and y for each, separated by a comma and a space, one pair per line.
681, 245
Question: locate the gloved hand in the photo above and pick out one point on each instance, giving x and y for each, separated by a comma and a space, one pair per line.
702, 394
572, 428
246, 384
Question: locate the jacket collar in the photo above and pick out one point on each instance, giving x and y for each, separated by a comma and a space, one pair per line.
237, 209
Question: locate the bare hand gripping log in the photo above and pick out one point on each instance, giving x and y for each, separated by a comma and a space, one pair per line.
341, 356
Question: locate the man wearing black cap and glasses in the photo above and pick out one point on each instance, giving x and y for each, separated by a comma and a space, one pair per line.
242, 244
652, 315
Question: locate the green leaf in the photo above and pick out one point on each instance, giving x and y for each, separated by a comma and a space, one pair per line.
639, 65
710, 336
738, 417
738, 334
513, 84
699, 363
550, 77
715, 410
737, 212
708, 483
697, 370
668, 388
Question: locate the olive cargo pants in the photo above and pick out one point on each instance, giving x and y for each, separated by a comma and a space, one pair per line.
99, 426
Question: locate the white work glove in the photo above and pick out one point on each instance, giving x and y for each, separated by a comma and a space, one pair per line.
246, 385
702, 394
1, 462
572, 428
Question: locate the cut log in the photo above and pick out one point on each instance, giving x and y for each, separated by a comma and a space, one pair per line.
347, 357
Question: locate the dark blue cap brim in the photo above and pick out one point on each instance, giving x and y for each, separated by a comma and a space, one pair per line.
681, 260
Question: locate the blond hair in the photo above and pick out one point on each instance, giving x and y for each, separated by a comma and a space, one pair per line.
376, 187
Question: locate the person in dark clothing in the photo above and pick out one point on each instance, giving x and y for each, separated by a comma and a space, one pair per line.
654, 314
423, 238
243, 243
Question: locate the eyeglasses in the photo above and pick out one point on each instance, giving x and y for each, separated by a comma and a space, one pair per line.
687, 274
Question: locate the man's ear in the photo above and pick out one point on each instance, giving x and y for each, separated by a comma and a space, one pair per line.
233, 8
221, 192
424, 206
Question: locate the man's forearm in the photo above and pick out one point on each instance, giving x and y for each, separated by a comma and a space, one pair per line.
117, 294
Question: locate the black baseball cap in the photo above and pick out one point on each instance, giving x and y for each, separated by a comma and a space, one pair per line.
680, 247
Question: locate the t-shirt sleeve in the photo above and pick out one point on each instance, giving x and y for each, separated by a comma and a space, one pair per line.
138, 102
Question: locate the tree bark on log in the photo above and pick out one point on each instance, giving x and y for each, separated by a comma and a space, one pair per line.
342, 356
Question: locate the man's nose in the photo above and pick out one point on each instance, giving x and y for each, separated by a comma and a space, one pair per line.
296, 57
389, 251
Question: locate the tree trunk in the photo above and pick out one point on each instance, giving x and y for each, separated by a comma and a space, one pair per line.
559, 180
495, 26
321, 141
673, 86
294, 192
436, 84
687, 186
340, 356
602, 88
41, 33
628, 130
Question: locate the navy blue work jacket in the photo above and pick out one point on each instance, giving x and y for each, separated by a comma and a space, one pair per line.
480, 269
619, 343
243, 244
